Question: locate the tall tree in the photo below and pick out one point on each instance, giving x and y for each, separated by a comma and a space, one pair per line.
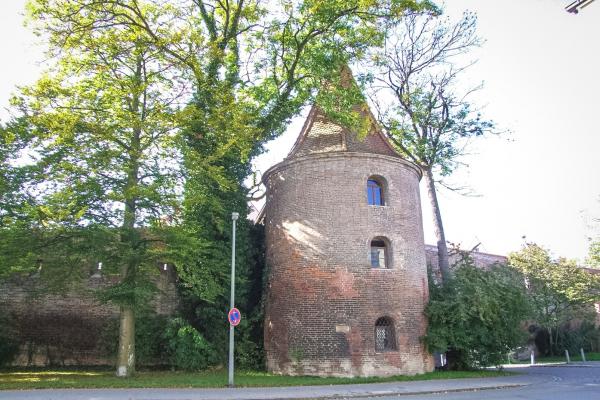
420, 107
560, 291
102, 141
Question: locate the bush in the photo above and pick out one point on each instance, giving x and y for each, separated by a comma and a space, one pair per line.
249, 352
187, 348
476, 315
585, 336
150, 341
9, 344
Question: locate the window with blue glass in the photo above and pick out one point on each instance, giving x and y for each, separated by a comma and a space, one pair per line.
379, 256
375, 192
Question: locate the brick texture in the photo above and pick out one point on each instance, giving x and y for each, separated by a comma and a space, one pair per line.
323, 296
66, 328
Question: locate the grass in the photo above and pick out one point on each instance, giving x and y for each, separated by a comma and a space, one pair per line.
95, 378
555, 359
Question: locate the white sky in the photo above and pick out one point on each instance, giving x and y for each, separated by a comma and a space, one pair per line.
540, 66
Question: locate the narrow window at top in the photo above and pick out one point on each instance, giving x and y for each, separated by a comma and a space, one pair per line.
374, 193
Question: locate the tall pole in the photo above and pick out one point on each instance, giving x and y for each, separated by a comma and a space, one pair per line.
234, 217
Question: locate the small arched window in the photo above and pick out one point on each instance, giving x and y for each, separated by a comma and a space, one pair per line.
385, 338
379, 253
375, 192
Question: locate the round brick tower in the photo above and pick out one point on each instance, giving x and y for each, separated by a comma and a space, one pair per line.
347, 280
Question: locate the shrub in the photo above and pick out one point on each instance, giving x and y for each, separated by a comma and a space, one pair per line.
9, 344
150, 341
249, 351
476, 315
187, 348
585, 336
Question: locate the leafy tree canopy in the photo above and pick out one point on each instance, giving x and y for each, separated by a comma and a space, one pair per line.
593, 259
558, 287
476, 315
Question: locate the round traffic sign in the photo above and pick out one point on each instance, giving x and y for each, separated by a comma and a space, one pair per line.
234, 316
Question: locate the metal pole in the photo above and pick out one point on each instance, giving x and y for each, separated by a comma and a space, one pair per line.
234, 217
567, 355
582, 354
532, 358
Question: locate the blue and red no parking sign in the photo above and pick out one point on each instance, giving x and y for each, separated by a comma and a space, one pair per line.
234, 316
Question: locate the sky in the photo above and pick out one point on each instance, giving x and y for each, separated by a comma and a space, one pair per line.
537, 182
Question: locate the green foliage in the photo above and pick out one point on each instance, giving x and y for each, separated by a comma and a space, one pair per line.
585, 336
150, 340
164, 341
187, 349
476, 316
9, 343
205, 271
593, 259
559, 290
100, 156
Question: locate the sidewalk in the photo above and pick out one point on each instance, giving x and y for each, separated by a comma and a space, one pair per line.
572, 364
292, 392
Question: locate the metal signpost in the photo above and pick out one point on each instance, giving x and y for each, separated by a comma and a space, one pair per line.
234, 313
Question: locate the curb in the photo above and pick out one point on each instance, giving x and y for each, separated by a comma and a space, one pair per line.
355, 394
385, 393
572, 365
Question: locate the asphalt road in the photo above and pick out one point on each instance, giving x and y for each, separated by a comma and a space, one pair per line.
554, 383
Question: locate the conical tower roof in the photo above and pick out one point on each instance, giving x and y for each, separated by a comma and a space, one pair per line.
321, 135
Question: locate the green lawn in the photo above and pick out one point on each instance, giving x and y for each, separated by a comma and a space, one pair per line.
94, 378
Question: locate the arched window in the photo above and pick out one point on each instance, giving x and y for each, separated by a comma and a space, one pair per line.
375, 192
379, 253
385, 338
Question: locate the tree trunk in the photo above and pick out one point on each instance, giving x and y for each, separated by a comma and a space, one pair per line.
443, 261
550, 341
126, 355
130, 233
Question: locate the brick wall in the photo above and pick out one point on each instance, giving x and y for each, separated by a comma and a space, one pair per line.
323, 296
481, 260
66, 328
